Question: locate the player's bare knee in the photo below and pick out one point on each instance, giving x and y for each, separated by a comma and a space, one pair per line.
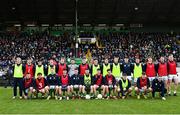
150, 89
47, 88
92, 87
43, 91
31, 88
136, 89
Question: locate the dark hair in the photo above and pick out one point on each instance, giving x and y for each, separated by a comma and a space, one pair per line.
108, 69
39, 74
143, 73
95, 59
116, 56
76, 68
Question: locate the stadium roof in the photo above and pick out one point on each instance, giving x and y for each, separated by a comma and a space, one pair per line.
91, 11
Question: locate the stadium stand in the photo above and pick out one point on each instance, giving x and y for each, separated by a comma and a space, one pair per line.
46, 46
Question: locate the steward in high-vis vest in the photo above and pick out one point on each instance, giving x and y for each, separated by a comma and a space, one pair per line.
137, 70
116, 69
105, 66
94, 67
83, 67
125, 86
39, 68
18, 70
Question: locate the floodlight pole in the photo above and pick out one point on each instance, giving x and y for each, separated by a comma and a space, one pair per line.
76, 28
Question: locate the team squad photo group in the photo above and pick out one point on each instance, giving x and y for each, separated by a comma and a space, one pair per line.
62, 81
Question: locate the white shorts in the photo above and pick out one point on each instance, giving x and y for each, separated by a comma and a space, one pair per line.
141, 90
164, 78
76, 86
53, 87
135, 80
130, 78
170, 77
27, 90
112, 86
151, 78
117, 79
60, 87
97, 86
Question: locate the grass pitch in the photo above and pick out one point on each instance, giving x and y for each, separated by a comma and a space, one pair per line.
128, 106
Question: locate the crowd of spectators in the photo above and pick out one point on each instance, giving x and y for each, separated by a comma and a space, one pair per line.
43, 45
134, 45
36, 46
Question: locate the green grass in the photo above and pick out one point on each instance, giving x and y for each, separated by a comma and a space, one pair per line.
130, 105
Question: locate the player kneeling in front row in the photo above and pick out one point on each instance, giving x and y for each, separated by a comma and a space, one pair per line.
65, 85
76, 84
41, 85
87, 84
98, 83
28, 86
143, 86
158, 86
110, 85
125, 86
53, 82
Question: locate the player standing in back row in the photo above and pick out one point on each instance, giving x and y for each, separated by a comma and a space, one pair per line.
150, 69
172, 75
